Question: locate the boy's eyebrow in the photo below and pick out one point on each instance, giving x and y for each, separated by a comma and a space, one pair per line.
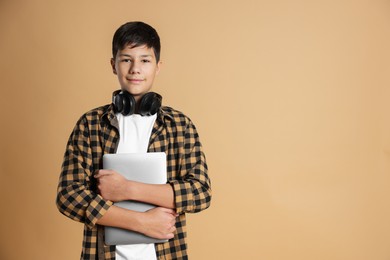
128, 55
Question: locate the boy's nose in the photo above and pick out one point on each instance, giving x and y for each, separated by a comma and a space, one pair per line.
134, 68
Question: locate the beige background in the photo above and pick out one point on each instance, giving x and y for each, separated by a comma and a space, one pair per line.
291, 99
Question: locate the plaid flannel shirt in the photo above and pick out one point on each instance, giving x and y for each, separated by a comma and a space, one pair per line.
96, 133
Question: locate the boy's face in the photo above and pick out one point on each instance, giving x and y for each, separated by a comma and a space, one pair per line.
136, 68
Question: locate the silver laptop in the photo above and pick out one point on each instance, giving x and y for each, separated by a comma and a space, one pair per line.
142, 167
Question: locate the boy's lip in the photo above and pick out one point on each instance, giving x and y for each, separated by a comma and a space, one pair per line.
135, 80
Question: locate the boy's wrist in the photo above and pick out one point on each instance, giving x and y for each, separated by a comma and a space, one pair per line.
131, 190
136, 224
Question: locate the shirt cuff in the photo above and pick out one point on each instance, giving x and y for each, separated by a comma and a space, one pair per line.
184, 199
96, 209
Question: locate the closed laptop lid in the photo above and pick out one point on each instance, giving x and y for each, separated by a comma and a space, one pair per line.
141, 167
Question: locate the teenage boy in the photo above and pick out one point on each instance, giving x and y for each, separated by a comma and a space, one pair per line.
137, 123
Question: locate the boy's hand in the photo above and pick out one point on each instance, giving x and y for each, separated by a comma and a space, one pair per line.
112, 186
159, 223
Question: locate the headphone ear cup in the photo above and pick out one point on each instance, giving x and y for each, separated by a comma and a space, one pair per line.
123, 102
117, 101
128, 103
156, 104
150, 103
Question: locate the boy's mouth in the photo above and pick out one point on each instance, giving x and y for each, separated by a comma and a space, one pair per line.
135, 80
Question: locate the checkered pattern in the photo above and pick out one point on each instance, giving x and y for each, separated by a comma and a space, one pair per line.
96, 133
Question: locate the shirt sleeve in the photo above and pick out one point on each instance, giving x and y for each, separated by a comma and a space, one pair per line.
76, 198
193, 190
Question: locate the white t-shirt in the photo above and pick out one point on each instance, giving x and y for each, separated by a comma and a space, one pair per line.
134, 133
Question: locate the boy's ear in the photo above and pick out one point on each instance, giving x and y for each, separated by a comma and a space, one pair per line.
113, 66
159, 63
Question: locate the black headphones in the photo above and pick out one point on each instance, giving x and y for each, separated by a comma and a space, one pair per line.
125, 103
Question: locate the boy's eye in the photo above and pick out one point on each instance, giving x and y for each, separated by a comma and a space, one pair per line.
126, 60
145, 60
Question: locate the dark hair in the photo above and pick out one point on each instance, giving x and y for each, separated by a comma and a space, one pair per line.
136, 34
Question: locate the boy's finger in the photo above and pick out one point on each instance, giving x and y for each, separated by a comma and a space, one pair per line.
102, 173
